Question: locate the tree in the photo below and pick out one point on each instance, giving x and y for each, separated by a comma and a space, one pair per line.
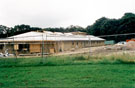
95, 29
18, 29
73, 28
105, 26
4, 31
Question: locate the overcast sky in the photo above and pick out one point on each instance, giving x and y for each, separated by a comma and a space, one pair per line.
61, 13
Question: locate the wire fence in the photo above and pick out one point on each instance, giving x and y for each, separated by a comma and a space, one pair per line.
40, 45
43, 45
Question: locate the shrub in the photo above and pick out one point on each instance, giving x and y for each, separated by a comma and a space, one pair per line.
80, 58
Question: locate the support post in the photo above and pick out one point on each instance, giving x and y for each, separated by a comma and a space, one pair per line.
42, 46
14, 49
89, 45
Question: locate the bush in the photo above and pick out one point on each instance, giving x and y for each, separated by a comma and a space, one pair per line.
80, 58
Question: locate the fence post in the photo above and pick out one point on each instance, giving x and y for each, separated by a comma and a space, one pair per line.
89, 45
42, 46
14, 49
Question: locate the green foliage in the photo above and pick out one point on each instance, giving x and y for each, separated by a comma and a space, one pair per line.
66, 60
68, 29
80, 58
4, 31
105, 26
75, 29
18, 29
55, 29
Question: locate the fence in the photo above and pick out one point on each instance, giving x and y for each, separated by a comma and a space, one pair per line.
41, 45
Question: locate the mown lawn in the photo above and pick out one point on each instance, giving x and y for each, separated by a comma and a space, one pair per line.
89, 75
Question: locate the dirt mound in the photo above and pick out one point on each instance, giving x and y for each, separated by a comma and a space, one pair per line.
117, 47
131, 44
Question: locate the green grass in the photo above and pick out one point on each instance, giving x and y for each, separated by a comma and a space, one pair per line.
91, 76
68, 71
67, 60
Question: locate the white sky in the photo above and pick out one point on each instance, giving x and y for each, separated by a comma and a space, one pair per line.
61, 13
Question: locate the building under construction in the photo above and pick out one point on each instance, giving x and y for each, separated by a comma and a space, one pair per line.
47, 42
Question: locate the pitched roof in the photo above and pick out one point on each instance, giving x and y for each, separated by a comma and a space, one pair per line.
50, 36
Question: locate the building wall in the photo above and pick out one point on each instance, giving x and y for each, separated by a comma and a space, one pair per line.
46, 47
69, 45
35, 48
6, 47
51, 46
72, 45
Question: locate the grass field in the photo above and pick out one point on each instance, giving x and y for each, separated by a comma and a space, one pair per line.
68, 72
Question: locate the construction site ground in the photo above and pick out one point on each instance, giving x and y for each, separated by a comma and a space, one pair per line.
105, 50
101, 50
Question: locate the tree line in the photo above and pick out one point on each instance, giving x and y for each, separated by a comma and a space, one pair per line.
102, 26
106, 26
